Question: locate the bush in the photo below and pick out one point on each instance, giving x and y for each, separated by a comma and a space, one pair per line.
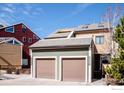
108, 70
117, 76
117, 69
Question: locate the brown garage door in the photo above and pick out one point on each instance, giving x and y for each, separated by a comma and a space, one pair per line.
45, 68
73, 69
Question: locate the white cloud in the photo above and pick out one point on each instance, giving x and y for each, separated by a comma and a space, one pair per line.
38, 11
26, 12
9, 5
28, 7
32, 10
7, 9
4, 22
18, 12
80, 8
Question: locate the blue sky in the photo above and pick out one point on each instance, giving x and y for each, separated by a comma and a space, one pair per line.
44, 19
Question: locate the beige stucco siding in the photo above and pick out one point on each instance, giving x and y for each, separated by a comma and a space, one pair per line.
10, 54
99, 48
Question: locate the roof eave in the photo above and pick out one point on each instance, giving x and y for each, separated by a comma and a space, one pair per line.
59, 47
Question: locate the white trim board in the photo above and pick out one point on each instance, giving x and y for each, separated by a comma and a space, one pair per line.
60, 66
6, 39
30, 52
34, 65
90, 65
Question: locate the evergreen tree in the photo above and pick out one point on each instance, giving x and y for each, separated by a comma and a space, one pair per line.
119, 37
117, 63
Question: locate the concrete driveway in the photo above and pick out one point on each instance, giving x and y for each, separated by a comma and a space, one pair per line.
12, 79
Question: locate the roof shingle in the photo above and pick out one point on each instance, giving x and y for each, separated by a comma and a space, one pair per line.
62, 42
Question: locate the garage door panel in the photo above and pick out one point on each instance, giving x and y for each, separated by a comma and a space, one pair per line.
73, 69
46, 68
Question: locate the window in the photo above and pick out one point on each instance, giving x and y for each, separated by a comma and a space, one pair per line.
30, 40
25, 62
10, 42
24, 39
99, 40
16, 43
24, 28
101, 25
85, 27
13, 42
10, 29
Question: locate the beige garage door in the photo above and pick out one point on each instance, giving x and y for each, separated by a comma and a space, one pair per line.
45, 68
73, 69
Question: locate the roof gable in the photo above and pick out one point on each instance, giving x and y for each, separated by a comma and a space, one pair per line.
8, 39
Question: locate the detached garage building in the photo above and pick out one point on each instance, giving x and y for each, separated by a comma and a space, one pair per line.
63, 59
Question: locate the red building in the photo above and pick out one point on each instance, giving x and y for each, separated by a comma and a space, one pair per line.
23, 34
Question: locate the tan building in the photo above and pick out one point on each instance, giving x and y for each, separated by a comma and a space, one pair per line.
72, 54
101, 35
10, 53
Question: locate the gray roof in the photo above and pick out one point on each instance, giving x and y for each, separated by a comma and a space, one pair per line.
64, 33
62, 42
86, 27
59, 35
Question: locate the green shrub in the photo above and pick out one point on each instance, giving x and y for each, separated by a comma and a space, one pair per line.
108, 70
117, 76
117, 68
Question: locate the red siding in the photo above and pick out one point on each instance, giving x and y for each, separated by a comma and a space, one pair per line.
18, 34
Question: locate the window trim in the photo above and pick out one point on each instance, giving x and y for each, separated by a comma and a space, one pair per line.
24, 27
25, 60
24, 39
9, 27
16, 43
99, 39
29, 40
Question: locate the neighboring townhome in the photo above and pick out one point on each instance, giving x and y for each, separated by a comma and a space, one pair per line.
10, 54
72, 54
22, 33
